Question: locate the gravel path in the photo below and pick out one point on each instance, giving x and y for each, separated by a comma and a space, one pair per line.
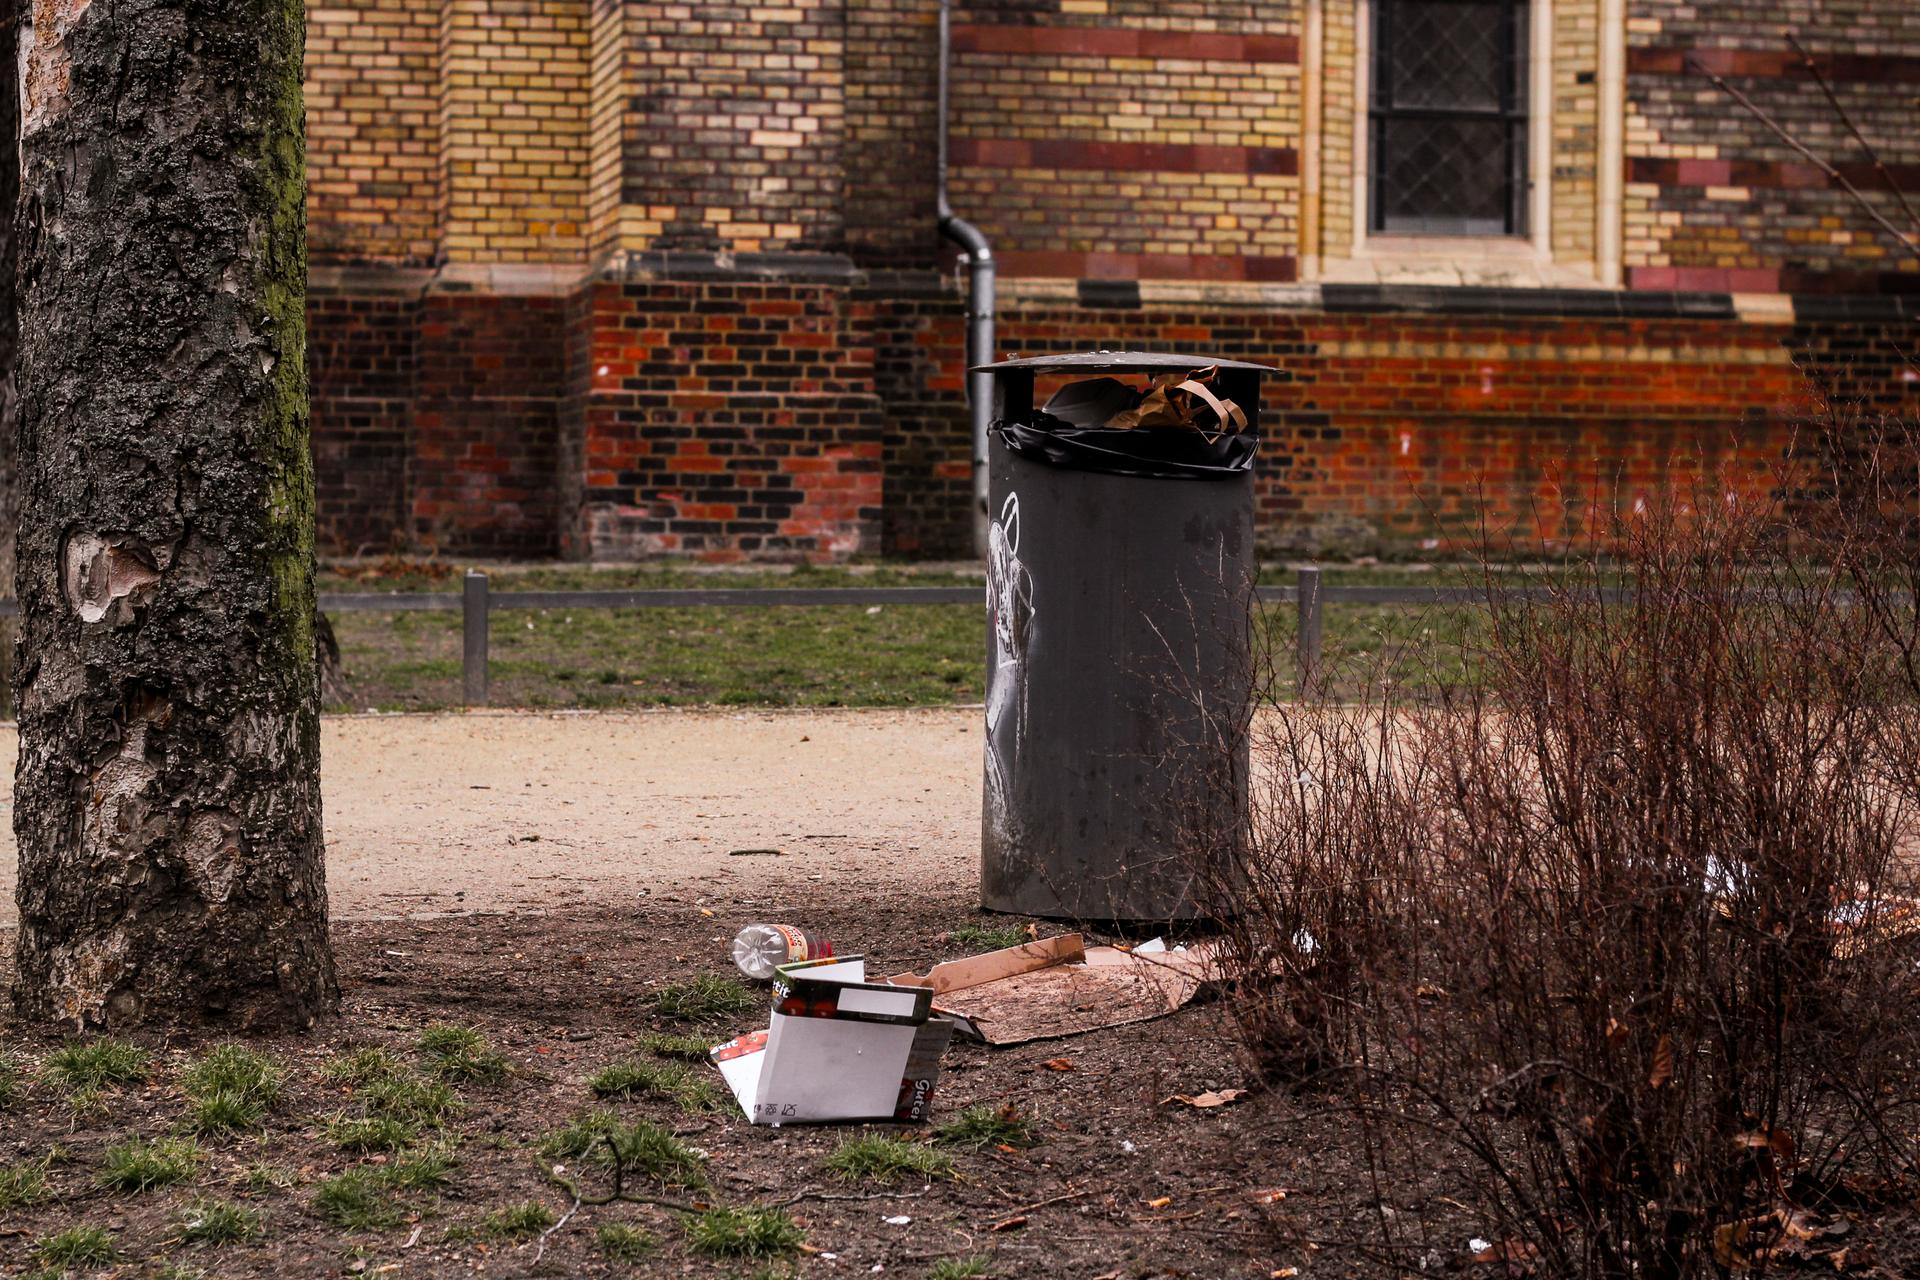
519, 810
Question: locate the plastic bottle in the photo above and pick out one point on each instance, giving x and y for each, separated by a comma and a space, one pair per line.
759, 949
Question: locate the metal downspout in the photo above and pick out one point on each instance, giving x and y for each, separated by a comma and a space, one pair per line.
980, 281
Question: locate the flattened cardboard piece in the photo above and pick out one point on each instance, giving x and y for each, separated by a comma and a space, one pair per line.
837, 1048
1059, 987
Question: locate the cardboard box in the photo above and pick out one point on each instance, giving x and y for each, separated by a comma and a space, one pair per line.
838, 1048
1059, 986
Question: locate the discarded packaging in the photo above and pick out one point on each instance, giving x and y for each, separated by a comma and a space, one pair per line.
1059, 986
759, 949
1171, 400
838, 1048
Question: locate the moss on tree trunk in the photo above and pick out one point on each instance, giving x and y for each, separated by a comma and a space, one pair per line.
168, 802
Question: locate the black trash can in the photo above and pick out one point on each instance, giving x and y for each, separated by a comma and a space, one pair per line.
1120, 581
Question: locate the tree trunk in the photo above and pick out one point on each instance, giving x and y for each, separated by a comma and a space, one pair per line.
168, 798
9, 329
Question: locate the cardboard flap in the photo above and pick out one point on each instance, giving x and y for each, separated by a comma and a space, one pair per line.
1057, 987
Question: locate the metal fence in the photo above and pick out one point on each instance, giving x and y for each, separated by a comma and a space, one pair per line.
477, 601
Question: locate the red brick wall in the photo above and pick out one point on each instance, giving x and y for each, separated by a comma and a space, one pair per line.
728, 420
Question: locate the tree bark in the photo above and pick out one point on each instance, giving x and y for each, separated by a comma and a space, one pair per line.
168, 801
10, 13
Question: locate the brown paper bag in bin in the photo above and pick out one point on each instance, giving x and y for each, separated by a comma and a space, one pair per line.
1175, 400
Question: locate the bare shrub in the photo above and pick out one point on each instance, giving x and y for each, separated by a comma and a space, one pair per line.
1603, 945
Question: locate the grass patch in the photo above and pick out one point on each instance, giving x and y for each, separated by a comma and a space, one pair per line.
358, 1135
461, 1054
13, 1080
77, 1247
364, 1067
708, 998
959, 1268
230, 1089
988, 937
133, 1167
666, 1081
428, 1169
358, 1200
685, 1048
623, 1243
877, 1157
743, 1233
518, 1221
219, 1222
23, 1184
409, 1099
264, 1179
985, 1125
643, 1149
85, 1071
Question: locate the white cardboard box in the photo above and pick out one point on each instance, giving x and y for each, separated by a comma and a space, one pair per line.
838, 1048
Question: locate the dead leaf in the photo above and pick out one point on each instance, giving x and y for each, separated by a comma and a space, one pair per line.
1617, 1033
1160, 1203
1284, 1273
1058, 1064
1662, 1063
1010, 1224
1273, 1195
1208, 1100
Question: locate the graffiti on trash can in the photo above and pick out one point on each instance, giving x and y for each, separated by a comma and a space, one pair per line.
1010, 610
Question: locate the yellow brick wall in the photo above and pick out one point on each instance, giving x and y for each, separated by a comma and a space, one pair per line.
373, 130
1576, 129
514, 117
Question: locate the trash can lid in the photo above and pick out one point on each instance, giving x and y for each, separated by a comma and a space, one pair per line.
1119, 362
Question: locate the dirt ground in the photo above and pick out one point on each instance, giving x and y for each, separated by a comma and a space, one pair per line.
516, 810
539, 879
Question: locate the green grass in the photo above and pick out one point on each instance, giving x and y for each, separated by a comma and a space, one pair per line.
877, 1157
133, 1167
959, 1268
988, 937
984, 1125
427, 1169
708, 998
409, 1099
461, 1054
686, 1048
742, 1233
664, 1081
88, 1070
219, 1222
13, 1080
264, 1179
624, 1243
230, 1089
643, 1148
359, 1200
834, 655
518, 1221
364, 1067
359, 1135
23, 1184
77, 1247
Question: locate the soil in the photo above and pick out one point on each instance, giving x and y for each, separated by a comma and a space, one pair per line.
555, 950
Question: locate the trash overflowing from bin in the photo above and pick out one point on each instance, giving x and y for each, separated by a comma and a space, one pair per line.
840, 1048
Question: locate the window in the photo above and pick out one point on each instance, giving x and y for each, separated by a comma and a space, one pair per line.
1447, 121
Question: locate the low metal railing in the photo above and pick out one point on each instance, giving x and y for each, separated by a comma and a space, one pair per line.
477, 601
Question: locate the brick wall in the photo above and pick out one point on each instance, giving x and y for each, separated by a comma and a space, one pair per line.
1714, 200
1135, 142
728, 420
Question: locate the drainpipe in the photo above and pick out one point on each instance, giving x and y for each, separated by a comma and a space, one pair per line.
980, 275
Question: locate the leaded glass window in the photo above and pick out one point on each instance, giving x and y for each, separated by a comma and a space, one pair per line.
1448, 123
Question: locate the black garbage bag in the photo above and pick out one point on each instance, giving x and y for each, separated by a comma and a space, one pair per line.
1165, 453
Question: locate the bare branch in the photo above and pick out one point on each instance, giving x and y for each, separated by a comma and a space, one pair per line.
1873, 154
1906, 242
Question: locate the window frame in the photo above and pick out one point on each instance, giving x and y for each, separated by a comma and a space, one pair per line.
1386, 248
1512, 113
